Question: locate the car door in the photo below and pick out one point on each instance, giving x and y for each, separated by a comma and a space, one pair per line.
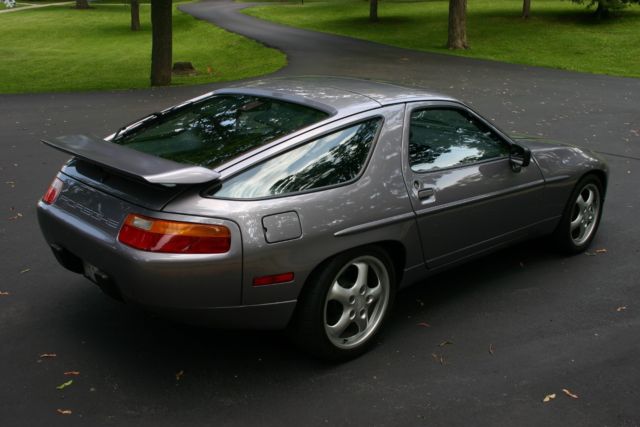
466, 195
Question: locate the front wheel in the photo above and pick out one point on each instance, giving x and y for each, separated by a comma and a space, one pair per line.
581, 217
345, 304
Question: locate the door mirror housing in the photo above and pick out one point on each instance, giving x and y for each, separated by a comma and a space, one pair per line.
519, 157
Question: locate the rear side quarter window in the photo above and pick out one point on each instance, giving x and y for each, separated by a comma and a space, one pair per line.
330, 160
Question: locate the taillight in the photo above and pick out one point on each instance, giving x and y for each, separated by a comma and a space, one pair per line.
158, 235
52, 193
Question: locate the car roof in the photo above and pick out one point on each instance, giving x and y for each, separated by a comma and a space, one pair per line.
335, 95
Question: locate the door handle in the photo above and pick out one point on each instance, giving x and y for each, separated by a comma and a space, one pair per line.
426, 193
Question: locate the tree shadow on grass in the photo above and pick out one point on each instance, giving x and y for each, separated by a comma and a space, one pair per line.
364, 21
584, 17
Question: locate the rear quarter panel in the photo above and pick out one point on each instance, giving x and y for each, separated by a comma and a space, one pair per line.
332, 220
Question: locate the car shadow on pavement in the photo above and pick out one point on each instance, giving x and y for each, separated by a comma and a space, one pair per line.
123, 344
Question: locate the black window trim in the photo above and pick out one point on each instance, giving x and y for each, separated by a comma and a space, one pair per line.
210, 192
450, 105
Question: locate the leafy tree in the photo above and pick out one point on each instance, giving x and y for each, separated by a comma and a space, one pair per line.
457, 25
606, 6
161, 42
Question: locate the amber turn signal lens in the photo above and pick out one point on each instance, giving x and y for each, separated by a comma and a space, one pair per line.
158, 235
53, 192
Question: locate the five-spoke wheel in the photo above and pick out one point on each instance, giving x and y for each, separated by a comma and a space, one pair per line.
356, 301
344, 303
581, 217
585, 212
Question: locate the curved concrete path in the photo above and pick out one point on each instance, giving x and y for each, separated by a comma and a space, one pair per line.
551, 322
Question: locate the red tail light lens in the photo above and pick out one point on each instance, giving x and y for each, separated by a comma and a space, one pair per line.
52, 193
157, 235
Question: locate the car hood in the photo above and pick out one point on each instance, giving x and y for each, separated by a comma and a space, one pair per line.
561, 160
536, 143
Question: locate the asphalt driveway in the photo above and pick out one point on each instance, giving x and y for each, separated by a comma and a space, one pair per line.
478, 345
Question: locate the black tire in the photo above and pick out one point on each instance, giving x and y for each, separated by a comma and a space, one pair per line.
568, 239
316, 311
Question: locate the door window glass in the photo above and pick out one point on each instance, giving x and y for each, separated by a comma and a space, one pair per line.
443, 138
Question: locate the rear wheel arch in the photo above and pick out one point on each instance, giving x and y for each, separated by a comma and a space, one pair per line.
393, 248
310, 326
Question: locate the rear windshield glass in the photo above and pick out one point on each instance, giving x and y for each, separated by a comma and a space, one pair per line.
214, 131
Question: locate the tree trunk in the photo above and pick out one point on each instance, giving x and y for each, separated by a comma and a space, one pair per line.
526, 8
457, 24
373, 10
82, 4
602, 11
161, 49
135, 15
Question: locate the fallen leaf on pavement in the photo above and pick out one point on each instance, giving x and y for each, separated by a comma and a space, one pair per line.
601, 251
64, 411
65, 385
621, 308
492, 349
424, 325
72, 373
549, 397
568, 393
443, 343
179, 375
439, 358
47, 355
4, 294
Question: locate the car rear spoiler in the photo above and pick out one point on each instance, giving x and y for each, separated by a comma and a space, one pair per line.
148, 167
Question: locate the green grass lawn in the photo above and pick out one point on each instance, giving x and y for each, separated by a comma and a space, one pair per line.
58, 48
559, 34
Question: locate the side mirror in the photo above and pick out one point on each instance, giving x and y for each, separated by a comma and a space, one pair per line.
519, 157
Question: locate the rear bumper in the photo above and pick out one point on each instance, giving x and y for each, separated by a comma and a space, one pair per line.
199, 289
259, 316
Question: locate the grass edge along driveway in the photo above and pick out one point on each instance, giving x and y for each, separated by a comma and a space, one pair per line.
559, 34
59, 48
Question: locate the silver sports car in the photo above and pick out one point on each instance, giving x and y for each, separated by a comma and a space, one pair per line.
306, 203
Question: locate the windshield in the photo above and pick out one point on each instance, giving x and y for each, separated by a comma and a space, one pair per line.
215, 130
